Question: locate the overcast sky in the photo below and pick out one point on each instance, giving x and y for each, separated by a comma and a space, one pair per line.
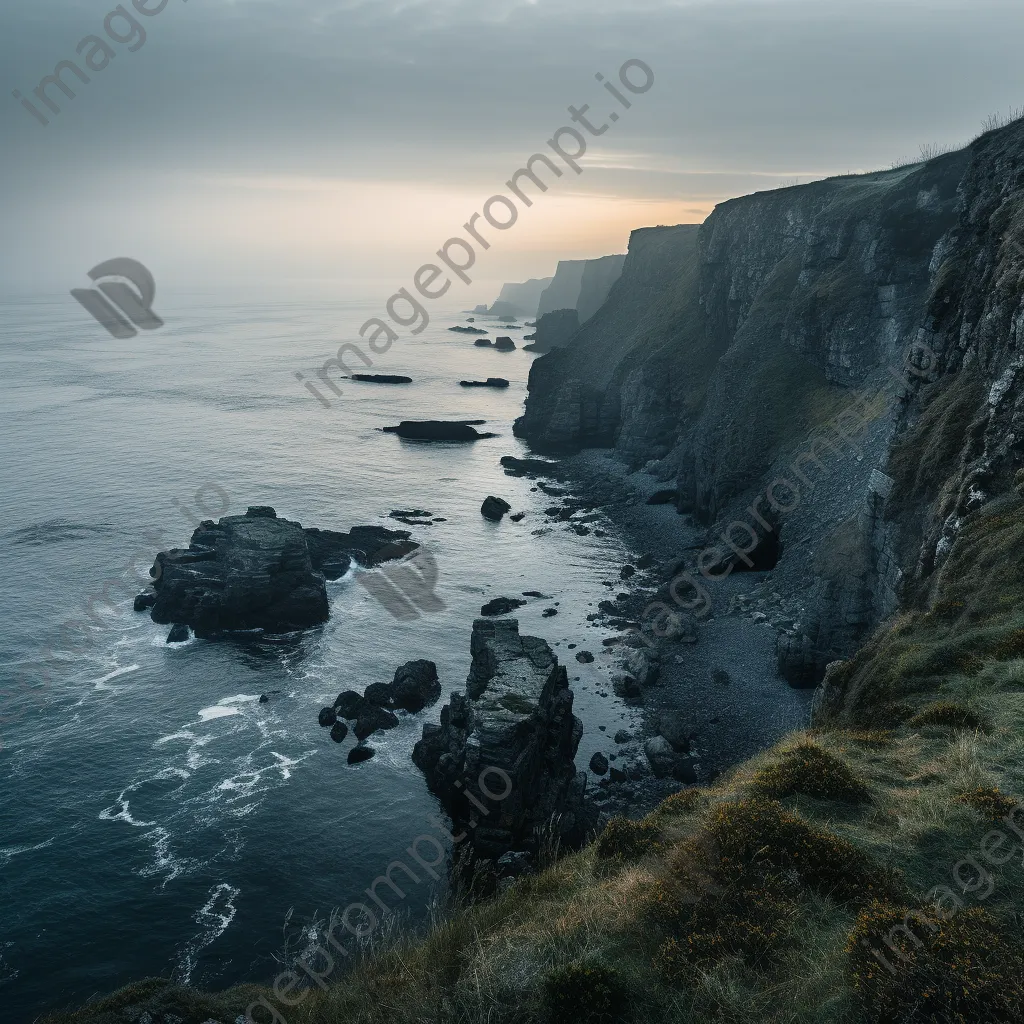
339, 140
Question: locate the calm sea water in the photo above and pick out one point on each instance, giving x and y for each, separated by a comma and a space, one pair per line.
156, 819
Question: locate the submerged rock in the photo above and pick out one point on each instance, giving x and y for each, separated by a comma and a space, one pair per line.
260, 572
491, 382
360, 753
494, 508
437, 430
501, 606
368, 716
179, 634
528, 467
510, 742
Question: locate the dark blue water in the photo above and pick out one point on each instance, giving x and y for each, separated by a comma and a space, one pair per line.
156, 819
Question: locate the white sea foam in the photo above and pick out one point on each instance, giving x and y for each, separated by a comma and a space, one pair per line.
8, 853
214, 918
217, 711
101, 684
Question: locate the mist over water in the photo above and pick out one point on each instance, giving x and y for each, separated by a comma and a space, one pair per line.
157, 819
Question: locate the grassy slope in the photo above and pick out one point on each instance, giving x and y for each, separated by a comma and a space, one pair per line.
887, 820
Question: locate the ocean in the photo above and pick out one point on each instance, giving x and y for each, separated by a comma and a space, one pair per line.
157, 819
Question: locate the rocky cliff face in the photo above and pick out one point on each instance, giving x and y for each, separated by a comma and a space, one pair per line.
854, 337
582, 285
521, 299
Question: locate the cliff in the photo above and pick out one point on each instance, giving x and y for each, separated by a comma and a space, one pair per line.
852, 338
582, 285
520, 299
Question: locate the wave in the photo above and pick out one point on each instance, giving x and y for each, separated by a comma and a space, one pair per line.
214, 918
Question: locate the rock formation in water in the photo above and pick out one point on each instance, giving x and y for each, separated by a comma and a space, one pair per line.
437, 430
509, 743
491, 382
777, 366
260, 572
380, 378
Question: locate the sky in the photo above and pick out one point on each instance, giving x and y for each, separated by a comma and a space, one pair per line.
341, 142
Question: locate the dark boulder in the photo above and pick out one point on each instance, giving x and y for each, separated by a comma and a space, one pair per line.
327, 717
144, 601
584, 657
360, 753
482, 342
380, 378
467, 330
627, 572
494, 508
549, 613
367, 715
414, 687
528, 467
179, 634
501, 606
504, 344
599, 764
436, 430
339, 731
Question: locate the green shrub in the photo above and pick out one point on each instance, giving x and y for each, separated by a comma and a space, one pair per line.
685, 801
990, 802
914, 966
948, 713
623, 839
813, 771
761, 833
583, 993
749, 918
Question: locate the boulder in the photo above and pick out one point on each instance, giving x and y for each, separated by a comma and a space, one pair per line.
482, 342
627, 572
339, 731
491, 382
678, 728
179, 634
626, 687
360, 753
414, 687
510, 741
623, 736
528, 467
367, 716
380, 378
599, 764
584, 657
144, 601
327, 717
549, 613
504, 344
258, 571
666, 763
467, 330
436, 430
494, 508
643, 666
501, 606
